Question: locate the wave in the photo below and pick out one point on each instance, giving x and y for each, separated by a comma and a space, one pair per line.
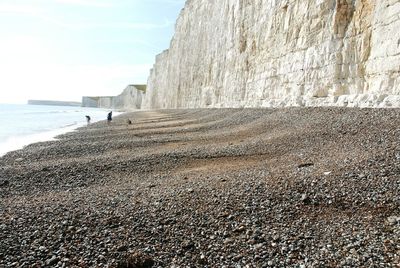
19, 142
70, 125
51, 112
23, 124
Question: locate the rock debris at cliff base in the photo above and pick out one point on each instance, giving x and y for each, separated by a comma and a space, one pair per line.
309, 187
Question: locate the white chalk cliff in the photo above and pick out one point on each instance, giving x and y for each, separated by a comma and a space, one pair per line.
129, 99
271, 53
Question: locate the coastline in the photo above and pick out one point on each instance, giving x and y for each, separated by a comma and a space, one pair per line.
19, 142
206, 188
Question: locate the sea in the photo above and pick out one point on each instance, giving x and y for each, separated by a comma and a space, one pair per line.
23, 124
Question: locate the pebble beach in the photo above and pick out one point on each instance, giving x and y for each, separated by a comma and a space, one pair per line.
290, 187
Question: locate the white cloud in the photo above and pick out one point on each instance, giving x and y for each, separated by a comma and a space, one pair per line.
91, 3
29, 70
136, 42
40, 6
35, 67
43, 15
60, 82
146, 26
173, 2
114, 25
20, 8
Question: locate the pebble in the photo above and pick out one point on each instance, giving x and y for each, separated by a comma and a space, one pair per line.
156, 193
53, 260
393, 220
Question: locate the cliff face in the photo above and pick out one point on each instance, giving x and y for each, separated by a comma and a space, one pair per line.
130, 98
249, 53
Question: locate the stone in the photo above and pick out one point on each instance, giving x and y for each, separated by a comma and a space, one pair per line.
202, 259
4, 183
304, 165
188, 245
122, 248
53, 260
136, 260
305, 199
392, 220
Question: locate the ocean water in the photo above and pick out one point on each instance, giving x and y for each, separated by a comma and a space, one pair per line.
21, 124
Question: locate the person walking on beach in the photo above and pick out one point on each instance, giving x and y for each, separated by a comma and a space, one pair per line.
87, 119
109, 117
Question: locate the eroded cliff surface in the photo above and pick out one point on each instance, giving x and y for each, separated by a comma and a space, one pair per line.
130, 99
257, 53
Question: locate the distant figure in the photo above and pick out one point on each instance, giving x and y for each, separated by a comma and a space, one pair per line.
88, 119
109, 117
129, 122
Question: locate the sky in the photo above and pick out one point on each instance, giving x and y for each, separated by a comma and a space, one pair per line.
66, 49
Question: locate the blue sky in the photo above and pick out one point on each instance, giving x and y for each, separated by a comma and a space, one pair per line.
64, 49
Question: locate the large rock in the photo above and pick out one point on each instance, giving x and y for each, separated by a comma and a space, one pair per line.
248, 53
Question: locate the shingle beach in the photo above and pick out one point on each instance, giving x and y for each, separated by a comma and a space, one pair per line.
292, 187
